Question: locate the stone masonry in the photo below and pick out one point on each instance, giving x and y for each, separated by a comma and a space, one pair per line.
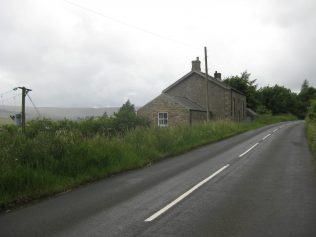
185, 100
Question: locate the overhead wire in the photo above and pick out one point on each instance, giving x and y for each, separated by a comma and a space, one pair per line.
6, 92
131, 25
4, 105
114, 20
38, 113
12, 97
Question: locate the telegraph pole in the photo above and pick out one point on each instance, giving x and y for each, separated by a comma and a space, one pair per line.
206, 79
24, 93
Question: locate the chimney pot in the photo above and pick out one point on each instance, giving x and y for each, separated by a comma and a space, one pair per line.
217, 75
196, 65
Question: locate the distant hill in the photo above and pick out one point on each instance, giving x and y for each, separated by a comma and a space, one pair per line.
56, 113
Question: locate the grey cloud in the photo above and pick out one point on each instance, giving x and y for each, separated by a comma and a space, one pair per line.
72, 58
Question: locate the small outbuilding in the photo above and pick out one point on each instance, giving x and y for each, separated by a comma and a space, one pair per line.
251, 115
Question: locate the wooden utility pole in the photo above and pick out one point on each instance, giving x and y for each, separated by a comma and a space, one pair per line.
206, 81
24, 93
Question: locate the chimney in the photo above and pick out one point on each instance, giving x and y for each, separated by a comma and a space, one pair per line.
218, 75
196, 65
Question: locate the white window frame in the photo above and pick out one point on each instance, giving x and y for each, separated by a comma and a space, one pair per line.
163, 122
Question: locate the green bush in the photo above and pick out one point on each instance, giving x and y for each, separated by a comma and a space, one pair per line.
311, 134
312, 110
311, 125
55, 156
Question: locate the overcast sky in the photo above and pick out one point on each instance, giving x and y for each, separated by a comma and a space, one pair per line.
93, 53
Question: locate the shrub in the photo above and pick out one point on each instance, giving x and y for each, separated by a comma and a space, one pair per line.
312, 110
56, 155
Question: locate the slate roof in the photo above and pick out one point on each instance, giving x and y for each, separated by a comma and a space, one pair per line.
185, 102
251, 112
202, 74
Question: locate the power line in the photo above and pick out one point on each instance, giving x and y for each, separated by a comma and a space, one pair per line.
12, 97
6, 92
25, 91
38, 113
130, 25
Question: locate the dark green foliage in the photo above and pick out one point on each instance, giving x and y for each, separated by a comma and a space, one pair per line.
306, 95
246, 86
122, 121
55, 156
311, 126
126, 118
273, 100
262, 109
278, 99
311, 134
312, 111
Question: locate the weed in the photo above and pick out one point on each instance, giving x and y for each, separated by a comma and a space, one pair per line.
55, 156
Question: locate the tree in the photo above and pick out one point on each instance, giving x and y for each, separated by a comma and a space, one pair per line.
105, 115
126, 118
278, 99
312, 110
305, 96
246, 86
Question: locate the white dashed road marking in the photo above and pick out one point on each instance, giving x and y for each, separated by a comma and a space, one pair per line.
241, 155
187, 193
266, 137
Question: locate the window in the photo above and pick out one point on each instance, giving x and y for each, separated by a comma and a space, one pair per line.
162, 119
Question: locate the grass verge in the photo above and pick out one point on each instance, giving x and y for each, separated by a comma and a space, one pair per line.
311, 134
52, 162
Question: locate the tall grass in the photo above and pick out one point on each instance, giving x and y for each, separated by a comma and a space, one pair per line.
310, 125
55, 156
311, 134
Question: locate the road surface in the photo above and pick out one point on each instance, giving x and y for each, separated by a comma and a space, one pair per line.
260, 183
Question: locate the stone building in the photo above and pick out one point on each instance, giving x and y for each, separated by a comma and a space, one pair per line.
185, 101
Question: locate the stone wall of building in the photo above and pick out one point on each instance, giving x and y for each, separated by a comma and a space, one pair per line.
192, 88
218, 101
224, 102
198, 116
238, 111
228, 104
177, 114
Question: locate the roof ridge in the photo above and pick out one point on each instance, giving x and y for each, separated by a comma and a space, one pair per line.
178, 81
202, 74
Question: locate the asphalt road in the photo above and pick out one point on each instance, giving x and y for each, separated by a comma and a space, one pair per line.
260, 183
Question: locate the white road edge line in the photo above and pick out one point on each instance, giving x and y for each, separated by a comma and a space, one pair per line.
275, 130
241, 155
187, 193
266, 137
